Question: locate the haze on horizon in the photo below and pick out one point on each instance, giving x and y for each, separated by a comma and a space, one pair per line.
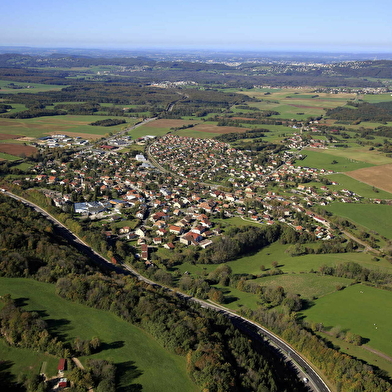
304, 25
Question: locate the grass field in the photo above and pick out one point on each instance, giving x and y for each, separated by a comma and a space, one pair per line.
323, 160
140, 359
25, 361
374, 217
34, 87
8, 157
288, 264
70, 125
307, 285
361, 154
368, 314
346, 182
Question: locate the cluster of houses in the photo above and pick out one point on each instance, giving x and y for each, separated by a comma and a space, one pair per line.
180, 210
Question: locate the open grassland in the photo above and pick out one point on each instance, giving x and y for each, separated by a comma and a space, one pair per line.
50, 125
299, 264
360, 352
33, 87
25, 361
360, 188
321, 159
360, 309
376, 98
361, 154
8, 157
309, 286
379, 176
140, 359
374, 217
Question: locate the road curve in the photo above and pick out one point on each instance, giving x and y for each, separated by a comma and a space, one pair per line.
253, 329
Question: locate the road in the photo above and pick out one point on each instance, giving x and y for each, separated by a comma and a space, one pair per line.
253, 329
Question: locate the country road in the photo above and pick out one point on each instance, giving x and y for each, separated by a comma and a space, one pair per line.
302, 367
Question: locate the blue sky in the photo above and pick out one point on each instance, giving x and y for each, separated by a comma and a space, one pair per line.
333, 25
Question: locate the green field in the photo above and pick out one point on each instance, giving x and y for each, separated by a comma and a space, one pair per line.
8, 157
42, 126
324, 160
375, 217
306, 285
360, 188
288, 264
368, 314
34, 87
140, 359
360, 154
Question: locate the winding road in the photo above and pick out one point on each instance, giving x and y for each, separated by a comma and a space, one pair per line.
302, 367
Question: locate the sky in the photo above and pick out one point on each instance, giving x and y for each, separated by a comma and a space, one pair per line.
289, 25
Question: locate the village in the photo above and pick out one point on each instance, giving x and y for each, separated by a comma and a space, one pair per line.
182, 206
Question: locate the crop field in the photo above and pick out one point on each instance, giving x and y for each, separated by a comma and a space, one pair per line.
140, 359
363, 310
324, 160
158, 127
360, 188
378, 176
375, 217
70, 125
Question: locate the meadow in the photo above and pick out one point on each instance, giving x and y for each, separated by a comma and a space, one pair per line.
360, 188
373, 217
320, 159
33, 87
68, 124
369, 315
139, 358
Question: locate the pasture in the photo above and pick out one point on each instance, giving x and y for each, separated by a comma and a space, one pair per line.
373, 217
140, 359
322, 159
70, 125
360, 188
32, 88
360, 309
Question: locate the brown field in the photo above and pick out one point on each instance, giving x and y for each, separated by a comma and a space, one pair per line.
5, 136
212, 128
167, 123
17, 149
378, 176
306, 107
88, 136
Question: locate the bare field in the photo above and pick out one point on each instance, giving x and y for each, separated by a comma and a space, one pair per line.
212, 128
378, 176
6, 136
17, 149
90, 136
167, 123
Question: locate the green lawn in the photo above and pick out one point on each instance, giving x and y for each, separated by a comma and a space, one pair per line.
141, 360
376, 217
363, 310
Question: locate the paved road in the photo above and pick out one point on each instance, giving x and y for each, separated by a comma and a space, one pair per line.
254, 330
